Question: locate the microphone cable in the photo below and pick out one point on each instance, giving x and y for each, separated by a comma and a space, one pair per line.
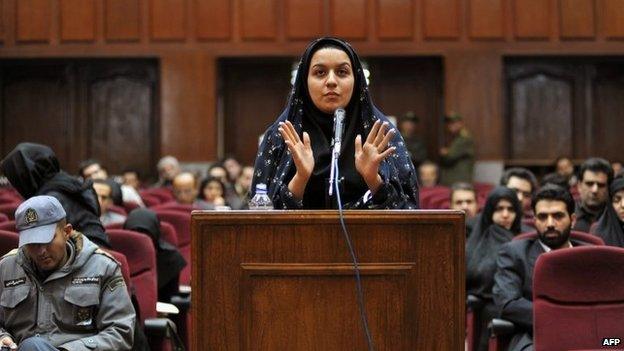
358, 280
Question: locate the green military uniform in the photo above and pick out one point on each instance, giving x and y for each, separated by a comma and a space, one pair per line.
458, 164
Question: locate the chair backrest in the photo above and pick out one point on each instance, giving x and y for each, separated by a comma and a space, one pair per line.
150, 200
182, 223
141, 255
119, 210
130, 205
8, 241
163, 194
580, 236
10, 197
9, 209
578, 298
168, 233
8, 225
174, 206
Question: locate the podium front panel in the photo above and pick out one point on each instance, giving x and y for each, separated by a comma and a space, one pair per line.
284, 280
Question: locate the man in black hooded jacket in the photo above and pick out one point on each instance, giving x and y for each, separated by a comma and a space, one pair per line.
33, 169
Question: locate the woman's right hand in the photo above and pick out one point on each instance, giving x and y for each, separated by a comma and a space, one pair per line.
301, 151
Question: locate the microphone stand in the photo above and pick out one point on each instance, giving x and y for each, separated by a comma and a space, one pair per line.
334, 160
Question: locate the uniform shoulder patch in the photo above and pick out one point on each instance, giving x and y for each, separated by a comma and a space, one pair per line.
115, 282
11, 253
107, 254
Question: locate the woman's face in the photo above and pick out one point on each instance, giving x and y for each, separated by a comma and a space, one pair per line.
330, 79
212, 190
504, 214
618, 204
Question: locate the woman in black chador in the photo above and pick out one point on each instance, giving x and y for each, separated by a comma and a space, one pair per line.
295, 155
498, 224
610, 226
169, 260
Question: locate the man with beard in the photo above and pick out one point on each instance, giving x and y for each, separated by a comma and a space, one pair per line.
595, 176
513, 281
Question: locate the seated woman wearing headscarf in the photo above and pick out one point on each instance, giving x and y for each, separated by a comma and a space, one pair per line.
33, 169
610, 226
169, 260
498, 224
375, 170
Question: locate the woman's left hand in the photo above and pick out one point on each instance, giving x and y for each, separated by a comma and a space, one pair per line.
368, 157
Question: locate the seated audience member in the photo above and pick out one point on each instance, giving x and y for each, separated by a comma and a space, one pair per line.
617, 167
243, 183
185, 191
565, 168
120, 193
212, 191
610, 227
92, 169
168, 168
556, 179
524, 183
498, 224
428, 174
169, 261
233, 168
218, 171
132, 178
595, 176
513, 282
33, 169
83, 304
464, 198
104, 192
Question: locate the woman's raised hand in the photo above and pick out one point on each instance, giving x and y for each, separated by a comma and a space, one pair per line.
301, 151
368, 157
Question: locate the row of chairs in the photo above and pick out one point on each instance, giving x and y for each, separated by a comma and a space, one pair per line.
577, 299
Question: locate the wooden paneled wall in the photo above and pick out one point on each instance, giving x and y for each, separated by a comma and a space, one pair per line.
188, 36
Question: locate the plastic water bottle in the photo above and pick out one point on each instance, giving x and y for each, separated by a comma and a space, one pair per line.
261, 200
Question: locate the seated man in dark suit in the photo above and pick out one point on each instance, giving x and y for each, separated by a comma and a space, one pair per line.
513, 282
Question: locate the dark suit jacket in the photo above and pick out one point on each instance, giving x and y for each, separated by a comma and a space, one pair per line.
513, 281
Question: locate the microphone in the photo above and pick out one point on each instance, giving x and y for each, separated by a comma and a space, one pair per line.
339, 117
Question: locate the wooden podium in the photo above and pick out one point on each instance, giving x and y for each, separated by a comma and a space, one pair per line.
283, 280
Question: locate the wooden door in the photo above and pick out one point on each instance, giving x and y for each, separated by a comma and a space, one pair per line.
102, 109
566, 106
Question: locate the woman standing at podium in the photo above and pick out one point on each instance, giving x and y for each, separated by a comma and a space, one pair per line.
294, 159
